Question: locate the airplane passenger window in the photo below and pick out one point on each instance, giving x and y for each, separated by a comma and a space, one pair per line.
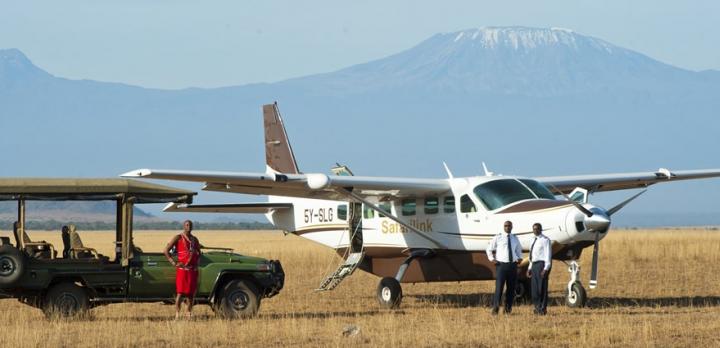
467, 205
432, 205
368, 213
385, 206
342, 211
449, 204
409, 206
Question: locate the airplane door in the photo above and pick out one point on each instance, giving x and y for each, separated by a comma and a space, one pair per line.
355, 225
470, 219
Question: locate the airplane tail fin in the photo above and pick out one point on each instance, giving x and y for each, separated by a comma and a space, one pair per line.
279, 155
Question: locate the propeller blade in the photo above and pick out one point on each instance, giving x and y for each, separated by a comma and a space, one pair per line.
576, 204
594, 269
615, 209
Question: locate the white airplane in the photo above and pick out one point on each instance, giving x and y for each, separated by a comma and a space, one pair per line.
383, 224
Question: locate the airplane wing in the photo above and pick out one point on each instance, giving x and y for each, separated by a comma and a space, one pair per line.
246, 208
319, 186
623, 181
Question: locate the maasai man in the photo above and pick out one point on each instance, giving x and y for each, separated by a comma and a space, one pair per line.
187, 248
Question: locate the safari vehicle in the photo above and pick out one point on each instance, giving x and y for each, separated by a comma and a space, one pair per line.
76, 278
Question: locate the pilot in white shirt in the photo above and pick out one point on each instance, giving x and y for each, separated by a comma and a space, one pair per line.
539, 269
505, 252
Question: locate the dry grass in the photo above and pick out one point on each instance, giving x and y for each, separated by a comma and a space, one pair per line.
657, 288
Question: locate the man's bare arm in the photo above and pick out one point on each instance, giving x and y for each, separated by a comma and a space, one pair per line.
169, 246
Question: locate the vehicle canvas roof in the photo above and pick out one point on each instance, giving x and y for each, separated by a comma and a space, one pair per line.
90, 189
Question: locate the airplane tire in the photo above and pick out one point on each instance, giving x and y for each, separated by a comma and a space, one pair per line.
66, 300
12, 266
389, 293
577, 296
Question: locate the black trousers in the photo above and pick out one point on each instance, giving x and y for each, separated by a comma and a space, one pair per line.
506, 275
539, 286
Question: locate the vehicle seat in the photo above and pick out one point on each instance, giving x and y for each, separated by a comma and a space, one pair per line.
35, 249
77, 250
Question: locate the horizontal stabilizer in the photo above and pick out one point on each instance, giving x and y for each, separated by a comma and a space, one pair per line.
243, 208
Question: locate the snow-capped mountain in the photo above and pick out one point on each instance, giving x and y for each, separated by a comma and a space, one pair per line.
509, 60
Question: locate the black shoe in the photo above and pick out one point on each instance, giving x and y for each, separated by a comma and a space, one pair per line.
507, 311
494, 311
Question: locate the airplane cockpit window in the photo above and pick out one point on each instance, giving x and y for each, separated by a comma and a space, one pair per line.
539, 189
499, 193
467, 205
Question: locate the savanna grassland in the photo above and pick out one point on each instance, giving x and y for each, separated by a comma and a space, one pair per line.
657, 288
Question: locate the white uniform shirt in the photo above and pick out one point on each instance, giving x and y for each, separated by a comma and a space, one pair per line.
499, 245
541, 250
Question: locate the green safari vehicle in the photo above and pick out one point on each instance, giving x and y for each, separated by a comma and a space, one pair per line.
70, 281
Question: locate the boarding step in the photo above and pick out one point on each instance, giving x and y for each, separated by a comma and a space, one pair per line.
346, 269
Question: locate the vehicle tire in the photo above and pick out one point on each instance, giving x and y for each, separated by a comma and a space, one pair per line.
522, 290
12, 266
238, 299
577, 296
389, 293
66, 300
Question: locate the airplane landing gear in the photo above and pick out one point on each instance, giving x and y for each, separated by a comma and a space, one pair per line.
576, 295
389, 291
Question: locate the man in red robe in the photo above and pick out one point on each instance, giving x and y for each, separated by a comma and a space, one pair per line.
187, 248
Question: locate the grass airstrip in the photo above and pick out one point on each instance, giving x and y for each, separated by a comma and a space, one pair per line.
657, 288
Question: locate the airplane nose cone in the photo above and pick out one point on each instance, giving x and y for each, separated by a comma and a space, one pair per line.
598, 222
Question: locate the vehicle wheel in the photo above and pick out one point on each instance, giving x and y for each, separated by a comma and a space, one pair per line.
389, 293
577, 296
12, 266
522, 290
238, 299
65, 300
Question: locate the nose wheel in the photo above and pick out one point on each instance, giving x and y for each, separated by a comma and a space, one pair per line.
576, 296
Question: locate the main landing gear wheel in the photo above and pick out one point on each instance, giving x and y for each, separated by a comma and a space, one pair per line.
389, 293
576, 297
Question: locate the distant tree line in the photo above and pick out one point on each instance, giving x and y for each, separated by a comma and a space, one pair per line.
50, 225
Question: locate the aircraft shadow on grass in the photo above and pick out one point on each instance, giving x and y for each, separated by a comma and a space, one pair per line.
485, 300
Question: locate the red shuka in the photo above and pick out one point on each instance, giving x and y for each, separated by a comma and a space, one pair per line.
186, 274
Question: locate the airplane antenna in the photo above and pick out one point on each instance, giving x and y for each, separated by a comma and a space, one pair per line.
487, 172
450, 175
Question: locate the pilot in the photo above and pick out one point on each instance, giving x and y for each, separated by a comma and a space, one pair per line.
505, 252
539, 270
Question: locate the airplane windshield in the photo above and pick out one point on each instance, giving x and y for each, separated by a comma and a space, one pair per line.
539, 189
499, 193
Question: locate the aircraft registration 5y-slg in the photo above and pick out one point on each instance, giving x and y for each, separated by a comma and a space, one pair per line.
421, 230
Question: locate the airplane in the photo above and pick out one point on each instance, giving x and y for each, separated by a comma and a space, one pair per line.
410, 230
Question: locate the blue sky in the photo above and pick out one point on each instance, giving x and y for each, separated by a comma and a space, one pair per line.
177, 44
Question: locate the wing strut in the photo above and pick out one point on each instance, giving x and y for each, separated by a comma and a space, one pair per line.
392, 217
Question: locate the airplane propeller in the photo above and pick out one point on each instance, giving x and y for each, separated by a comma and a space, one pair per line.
598, 221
